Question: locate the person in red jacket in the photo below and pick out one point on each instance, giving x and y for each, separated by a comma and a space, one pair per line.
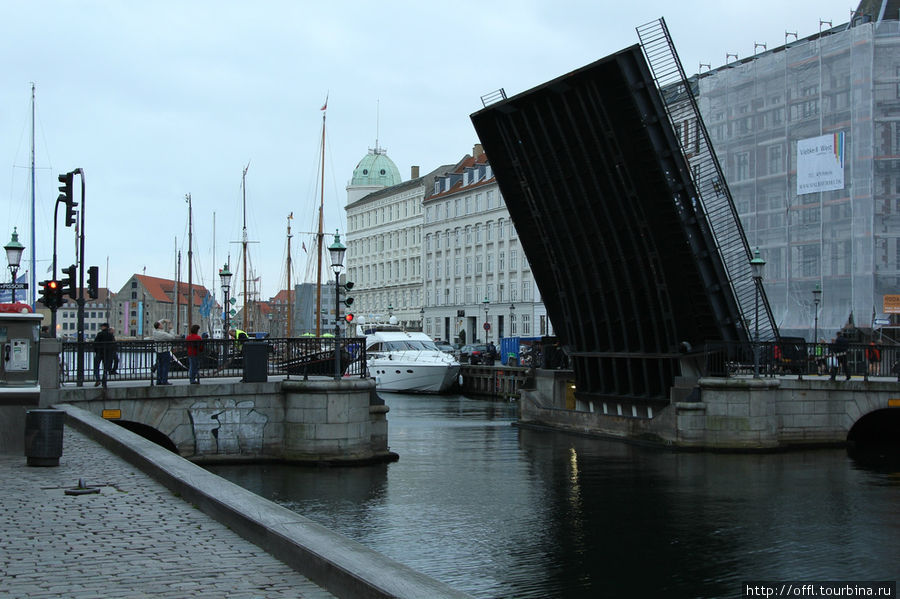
194, 344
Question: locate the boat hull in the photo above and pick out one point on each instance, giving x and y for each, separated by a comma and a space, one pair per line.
413, 377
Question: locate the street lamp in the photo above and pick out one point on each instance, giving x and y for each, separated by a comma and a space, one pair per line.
486, 302
14, 251
337, 250
757, 265
422, 318
817, 297
225, 278
512, 319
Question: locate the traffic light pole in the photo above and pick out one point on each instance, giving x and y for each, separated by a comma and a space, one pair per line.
53, 277
80, 300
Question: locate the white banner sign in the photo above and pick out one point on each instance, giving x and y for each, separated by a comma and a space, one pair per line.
820, 163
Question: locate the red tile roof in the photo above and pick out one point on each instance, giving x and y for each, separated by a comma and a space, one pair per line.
163, 290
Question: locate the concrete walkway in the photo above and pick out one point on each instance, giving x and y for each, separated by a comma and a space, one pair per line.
133, 539
163, 527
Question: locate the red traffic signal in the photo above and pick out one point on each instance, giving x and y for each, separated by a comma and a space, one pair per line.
348, 318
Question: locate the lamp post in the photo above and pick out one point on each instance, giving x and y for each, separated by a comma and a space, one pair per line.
422, 318
14, 251
512, 319
487, 328
817, 297
337, 250
757, 264
225, 278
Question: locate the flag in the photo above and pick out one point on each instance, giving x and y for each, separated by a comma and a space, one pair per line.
21, 294
325, 105
303, 245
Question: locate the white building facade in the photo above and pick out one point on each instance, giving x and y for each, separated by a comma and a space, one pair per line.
384, 241
478, 284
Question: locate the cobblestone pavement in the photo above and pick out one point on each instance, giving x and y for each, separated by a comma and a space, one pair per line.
133, 539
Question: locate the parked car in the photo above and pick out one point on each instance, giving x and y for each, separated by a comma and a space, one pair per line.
445, 347
473, 353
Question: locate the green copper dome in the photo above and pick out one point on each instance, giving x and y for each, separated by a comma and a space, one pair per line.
376, 169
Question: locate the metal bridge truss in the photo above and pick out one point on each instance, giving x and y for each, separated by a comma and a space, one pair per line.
709, 181
604, 205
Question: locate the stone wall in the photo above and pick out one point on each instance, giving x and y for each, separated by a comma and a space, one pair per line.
730, 414
306, 421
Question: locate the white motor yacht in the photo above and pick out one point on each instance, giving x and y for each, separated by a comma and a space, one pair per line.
407, 362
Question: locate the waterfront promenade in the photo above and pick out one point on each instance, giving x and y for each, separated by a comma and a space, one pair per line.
133, 539
163, 527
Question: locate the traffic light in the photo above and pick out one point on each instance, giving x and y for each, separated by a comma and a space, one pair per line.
349, 318
93, 289
347, 286
65, 195
50, 294
68, 285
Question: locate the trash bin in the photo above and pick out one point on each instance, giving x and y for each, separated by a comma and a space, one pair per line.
256, 355
44, 436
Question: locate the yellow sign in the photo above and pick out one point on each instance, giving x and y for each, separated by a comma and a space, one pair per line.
891, 304
894, 403
112, 414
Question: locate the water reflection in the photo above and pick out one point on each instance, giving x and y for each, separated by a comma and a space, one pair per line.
499, 511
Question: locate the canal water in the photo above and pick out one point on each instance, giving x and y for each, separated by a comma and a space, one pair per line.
499, 511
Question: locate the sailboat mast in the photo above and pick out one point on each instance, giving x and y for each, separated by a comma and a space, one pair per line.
33, 249
289, 327
244, 242
177, 286
321, 234
190, 293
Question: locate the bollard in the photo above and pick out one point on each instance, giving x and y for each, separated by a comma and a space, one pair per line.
44, 436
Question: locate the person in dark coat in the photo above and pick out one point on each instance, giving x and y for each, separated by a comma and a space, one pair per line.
104, 350
839, 351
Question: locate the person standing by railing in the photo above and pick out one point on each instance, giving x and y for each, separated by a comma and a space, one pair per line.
839, 351
873, 357
163, 340
194, 344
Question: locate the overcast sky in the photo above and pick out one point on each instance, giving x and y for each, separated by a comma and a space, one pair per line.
155, 100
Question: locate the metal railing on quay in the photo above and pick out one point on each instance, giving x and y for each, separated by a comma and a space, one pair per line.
217, 358
799, 358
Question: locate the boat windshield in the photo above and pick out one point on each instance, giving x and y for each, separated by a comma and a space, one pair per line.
405, 345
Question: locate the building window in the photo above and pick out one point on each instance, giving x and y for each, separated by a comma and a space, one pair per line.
776, 159
526, 325
741, 166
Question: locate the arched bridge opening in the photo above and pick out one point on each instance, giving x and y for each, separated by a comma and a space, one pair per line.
149, 433
875, 438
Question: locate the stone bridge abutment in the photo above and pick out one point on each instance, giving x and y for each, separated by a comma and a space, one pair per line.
314, 421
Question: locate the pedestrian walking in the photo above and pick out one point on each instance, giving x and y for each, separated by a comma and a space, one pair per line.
839, 351
103, 352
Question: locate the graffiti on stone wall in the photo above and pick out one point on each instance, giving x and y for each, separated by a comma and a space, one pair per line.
226, 426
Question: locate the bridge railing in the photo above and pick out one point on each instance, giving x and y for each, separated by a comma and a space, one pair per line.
218, 358
787, 358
